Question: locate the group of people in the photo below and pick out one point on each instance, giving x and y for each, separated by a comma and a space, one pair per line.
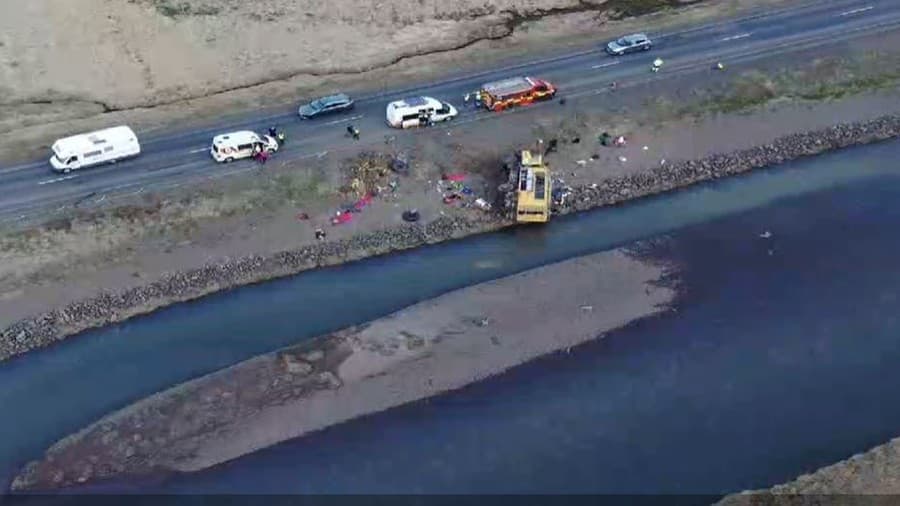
261, 152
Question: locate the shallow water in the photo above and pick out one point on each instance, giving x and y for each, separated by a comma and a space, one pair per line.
759, 376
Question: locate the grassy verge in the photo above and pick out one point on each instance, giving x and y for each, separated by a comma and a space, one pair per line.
821, 80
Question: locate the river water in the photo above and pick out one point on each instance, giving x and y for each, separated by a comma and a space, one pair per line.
780, 358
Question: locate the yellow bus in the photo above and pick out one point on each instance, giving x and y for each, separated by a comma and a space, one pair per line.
533, 195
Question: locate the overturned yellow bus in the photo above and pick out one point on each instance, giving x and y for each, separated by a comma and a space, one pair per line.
534, 188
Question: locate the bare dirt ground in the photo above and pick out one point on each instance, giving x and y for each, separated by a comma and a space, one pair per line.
74, 66
431, 347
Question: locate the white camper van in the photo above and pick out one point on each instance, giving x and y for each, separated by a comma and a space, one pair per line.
102, 146
243, 144
410, 112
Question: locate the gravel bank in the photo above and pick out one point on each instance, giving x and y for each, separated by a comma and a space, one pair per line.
53, 326
873, 473
431, 347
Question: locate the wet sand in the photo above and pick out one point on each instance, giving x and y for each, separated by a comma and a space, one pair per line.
431, 347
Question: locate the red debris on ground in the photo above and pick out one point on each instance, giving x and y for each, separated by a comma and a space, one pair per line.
342, 217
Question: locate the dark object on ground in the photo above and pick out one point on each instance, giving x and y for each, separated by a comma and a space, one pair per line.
411, 216
400, 165
551, 146
576, 140
320, 234
595, 156
562, 101
352, 131
605, 139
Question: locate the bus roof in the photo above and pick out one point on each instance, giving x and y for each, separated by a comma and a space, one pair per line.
509, 86
83, 143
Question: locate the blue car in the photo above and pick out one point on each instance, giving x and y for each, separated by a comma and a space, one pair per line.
326, 105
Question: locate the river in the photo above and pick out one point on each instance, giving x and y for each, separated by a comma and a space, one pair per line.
780, 358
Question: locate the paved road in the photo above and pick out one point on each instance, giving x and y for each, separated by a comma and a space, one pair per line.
180, 157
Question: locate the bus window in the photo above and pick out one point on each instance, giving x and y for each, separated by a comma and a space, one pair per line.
539, 187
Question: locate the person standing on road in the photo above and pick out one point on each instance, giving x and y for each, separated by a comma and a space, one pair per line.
280, 138
657, 63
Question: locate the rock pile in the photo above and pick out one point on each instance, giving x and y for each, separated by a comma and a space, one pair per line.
106, 308
111, 307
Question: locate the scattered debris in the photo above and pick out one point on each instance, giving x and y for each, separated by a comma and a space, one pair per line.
302, 216
587, 308
581, 162
342, 217
551, 146
766, 234
483, 204
411, 215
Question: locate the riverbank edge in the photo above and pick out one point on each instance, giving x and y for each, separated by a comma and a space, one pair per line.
872, 472
182, 286
363, 369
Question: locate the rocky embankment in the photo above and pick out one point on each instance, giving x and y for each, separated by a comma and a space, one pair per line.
871, 474
106, 308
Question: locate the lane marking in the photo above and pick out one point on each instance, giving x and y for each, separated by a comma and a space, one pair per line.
736, 37
857, 11
344, 120
198, 150
56, 180
603, 65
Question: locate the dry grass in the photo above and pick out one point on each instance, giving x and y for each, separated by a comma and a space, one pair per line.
63, 241
822, 79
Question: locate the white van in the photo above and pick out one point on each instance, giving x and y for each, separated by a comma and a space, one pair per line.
102, 146
409, 112
236, 145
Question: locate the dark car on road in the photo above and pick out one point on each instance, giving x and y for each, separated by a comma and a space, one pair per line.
629, 44
326, 105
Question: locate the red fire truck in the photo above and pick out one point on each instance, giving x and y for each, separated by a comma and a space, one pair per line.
500, 95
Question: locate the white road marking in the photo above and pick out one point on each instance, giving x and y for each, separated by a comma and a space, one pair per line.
856, 11
602, 65
736, 37
198, 150
56, 180
344, 120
